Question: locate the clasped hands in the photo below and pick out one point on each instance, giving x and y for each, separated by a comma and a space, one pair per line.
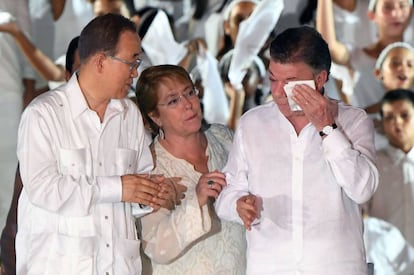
152, 190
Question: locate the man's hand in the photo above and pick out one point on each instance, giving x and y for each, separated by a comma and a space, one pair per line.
249, 208
320, 110
174, 192
144, 189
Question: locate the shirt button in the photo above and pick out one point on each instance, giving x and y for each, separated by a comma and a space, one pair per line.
107, 273
106, 217
100, 164
107, 245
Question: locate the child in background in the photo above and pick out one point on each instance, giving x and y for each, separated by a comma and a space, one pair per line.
393, 200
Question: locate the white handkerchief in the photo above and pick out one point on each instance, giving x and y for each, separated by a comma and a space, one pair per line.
159, 43
252, 35
288, 90
6, 17
216, 107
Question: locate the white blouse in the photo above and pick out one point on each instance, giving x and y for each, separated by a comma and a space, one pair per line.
192, 240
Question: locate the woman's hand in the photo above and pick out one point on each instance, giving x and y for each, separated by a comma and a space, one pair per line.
209, 186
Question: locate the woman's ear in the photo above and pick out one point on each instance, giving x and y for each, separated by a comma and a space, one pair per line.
154, 116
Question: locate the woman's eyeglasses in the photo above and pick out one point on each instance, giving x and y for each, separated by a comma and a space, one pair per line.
175, 100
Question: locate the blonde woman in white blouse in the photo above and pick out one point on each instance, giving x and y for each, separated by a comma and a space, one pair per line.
189, 239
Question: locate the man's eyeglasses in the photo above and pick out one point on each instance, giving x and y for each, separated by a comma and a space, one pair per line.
173, 101
132, 65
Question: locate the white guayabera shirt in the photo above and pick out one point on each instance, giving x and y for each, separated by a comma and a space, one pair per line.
394, 199
311, 222
70, 215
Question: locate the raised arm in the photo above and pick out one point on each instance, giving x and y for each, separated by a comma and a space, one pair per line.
57, 8
326, 26
43, 64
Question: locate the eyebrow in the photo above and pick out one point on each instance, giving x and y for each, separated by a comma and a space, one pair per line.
173, 93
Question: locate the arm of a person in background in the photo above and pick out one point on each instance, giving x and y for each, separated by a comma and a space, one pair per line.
193, 48
326, 26
57, 8
236, 103
46, 67
348, 5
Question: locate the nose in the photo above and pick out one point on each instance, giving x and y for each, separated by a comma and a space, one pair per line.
278, 88
134, 73
185, 101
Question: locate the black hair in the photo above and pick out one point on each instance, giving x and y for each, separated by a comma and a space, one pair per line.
70, 54
396, 95
301, 44
102, 34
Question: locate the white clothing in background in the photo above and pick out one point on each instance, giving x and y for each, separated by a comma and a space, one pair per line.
311, 222
191, 239
367, 90
12, 70
394, 199
75, 16
387, 248
70, 212
43, 32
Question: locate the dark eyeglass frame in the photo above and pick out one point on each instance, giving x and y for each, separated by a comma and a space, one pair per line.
132, 65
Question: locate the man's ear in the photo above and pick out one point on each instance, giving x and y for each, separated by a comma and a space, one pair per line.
99, 61
321, 80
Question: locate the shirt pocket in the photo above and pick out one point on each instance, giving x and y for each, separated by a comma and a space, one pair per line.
126, 161
69, 251
130, 252
73, 162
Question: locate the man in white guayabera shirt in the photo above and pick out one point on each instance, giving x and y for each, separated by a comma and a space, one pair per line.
298, 191
83, 150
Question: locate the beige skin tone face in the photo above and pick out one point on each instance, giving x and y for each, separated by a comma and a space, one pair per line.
181, 120
129, 49
240, 12
391, 16
398, 123
397, 70
280, 75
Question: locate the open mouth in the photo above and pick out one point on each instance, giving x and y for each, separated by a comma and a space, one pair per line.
402, 77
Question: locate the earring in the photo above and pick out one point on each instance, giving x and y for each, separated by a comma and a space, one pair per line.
161, 133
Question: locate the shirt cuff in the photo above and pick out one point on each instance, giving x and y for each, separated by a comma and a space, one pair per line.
110, 189
335, 143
